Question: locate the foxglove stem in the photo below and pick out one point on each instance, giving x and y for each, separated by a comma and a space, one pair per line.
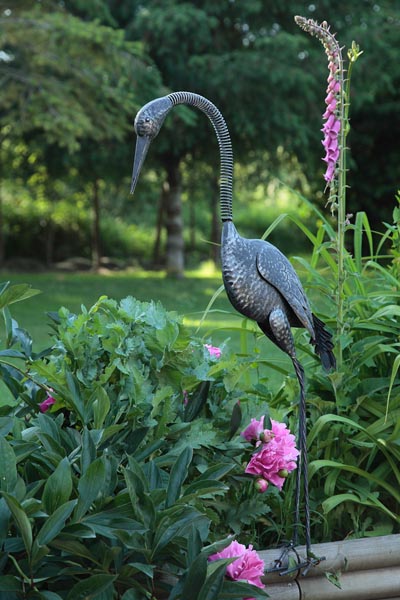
336, 179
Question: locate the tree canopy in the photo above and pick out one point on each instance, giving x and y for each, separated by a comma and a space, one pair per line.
74, 74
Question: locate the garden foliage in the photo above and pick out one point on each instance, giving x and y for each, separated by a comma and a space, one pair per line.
135, 473
354, 419
120, 488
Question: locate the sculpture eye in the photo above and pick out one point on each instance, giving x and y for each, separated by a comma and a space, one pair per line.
147, 120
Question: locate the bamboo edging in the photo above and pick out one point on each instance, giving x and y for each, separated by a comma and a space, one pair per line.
366, 569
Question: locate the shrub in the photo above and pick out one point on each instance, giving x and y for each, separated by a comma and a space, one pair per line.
119, 488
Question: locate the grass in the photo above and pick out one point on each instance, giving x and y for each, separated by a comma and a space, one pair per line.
189, 297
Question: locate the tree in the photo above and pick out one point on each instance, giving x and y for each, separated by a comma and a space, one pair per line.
202, 48
68, 81
269, 81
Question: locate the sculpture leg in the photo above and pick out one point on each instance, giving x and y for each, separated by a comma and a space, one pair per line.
280, 333
302, 474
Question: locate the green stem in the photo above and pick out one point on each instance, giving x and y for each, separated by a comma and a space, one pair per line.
341, 227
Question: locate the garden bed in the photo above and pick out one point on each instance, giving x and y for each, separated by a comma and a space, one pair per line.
359, 569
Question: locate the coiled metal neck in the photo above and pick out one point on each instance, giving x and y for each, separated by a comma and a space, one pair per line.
224, 142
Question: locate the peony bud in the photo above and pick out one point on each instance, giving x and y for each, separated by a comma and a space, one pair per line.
283, 473
261, 485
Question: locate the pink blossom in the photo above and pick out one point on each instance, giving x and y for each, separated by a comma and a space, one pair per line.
213, 350
277, 457
334, 101
332, 125
252, 431
185, 397
45, 405
248, 566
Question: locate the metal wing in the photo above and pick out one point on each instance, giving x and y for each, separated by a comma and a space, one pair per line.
274, 267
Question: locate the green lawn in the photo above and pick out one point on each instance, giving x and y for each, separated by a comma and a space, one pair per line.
189, 297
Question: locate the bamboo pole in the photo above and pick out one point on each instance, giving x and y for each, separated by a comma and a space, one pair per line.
366, 569
374, 584
347, 555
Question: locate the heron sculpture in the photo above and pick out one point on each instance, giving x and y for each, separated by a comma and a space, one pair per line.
259, 280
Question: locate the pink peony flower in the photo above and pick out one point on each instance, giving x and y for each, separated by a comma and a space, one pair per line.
252, 431
45, 405
248, 566
213, 350
277, 457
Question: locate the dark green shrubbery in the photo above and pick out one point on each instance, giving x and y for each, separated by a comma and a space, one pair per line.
121, 488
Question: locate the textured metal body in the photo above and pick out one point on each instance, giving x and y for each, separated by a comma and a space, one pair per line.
259, 280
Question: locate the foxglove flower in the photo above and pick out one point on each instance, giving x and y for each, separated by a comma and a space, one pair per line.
333, 115
276, 457
248, 566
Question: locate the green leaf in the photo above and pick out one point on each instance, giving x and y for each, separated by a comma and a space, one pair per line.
55, 523
194, 545
21, 520
179, 472
217, 471
241, 589
88, 454
16, 293
173, 524
141, 500
212, 587
90, 587
236, 419
196, 576
58, 487
74, 548
143, 568
330, 464
9, 583
75, 397
90, 486
200, 487
101, 407
8, 466
196, 401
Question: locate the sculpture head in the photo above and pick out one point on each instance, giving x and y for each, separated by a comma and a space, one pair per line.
148, 123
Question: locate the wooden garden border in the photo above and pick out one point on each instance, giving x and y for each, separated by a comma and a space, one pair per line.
367, 569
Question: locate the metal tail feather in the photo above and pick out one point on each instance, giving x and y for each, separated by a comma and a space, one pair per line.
324, 344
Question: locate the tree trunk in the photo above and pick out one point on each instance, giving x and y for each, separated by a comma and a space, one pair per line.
174, 221
96, 250
49, 243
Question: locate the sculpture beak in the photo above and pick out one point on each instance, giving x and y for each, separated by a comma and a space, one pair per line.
142, 145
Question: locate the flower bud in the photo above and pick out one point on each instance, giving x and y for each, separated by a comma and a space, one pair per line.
261, 485
266, 436
283, 473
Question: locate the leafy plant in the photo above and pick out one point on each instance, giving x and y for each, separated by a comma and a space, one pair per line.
119, 490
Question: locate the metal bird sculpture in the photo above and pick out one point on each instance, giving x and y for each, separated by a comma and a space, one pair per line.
259, 280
